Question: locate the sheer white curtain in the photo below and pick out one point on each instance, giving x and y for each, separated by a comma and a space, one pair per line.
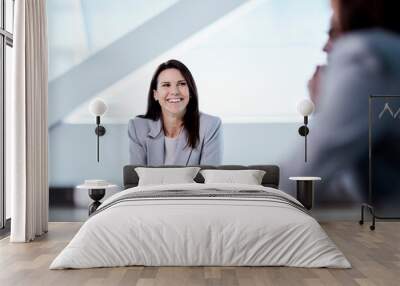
27, 123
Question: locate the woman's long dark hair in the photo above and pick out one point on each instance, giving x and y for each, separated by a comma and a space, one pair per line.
365, 14
191, 118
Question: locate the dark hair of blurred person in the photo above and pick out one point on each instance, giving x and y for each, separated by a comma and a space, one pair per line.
355, 15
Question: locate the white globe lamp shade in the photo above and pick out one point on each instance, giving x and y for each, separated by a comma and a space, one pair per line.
305, 107
97, 107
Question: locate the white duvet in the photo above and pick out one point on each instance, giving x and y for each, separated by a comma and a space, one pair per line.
200, 231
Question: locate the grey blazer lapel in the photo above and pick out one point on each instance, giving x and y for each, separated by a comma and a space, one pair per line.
183, 152
155, 145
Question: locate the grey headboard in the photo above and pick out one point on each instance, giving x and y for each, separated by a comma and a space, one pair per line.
271, 177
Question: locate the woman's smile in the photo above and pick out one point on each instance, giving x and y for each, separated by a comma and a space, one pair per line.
174, 100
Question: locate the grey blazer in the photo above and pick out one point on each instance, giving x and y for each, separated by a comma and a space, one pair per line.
146, 143
361, 64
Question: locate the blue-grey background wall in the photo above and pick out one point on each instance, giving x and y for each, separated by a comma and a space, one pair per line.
72, 150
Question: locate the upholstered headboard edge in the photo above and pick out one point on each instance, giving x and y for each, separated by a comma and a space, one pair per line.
270, 179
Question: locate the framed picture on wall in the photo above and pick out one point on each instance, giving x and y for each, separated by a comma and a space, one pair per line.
384, 155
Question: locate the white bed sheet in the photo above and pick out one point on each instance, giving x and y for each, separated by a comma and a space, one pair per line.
200, 231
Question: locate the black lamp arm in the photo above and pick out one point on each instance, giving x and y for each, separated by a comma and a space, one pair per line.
100, 131
303, 131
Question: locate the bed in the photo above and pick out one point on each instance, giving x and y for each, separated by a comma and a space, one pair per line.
201, 224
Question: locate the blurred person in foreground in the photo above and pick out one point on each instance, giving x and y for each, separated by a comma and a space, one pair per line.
314, 83
365, 60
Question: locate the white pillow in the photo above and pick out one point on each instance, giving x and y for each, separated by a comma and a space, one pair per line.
249, 177
165, 176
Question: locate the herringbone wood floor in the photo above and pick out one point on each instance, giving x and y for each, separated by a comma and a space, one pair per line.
375, 257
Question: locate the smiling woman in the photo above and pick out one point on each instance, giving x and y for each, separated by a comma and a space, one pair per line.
173, 131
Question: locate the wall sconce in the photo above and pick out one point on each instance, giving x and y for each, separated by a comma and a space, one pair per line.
305, 108
98, 107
